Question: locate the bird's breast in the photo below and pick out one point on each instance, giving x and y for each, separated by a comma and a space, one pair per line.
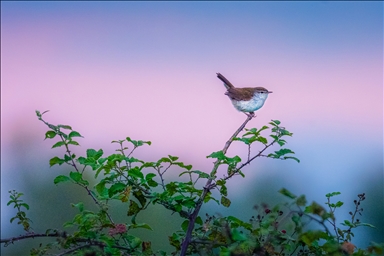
251, 105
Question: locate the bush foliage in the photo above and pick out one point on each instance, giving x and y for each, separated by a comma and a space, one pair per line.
138, 184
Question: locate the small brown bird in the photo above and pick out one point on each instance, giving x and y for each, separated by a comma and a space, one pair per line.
247, 99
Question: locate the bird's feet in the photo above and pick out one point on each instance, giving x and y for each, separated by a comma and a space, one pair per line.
250, 114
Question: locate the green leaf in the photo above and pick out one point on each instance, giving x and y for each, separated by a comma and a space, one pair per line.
301, 201
74, 134
262, 140
237, 235
240, 223
339, 204
287, 193
67, 158
136, 173
138, 143
65, 126
58, 144
251, 131
61, 179
142, 225
133, 160
263, 128
133, 241
116, 188
275, 122
220, 182
148, 164
152, 183
225, 201
199, 220
284, 151
291, 157
316, 209
223, 190
72, 142
179, 198
219, 155
82, 160
174, 240
164, 160
101, 189
224, 251
133, 208
27, 207
68, 224
173, 158
182, 165
209, 197
91, 153
184, 225
189, 203
201, 174
233, 160
171, 188
76, 176
332, 194
312, 235
178, 207
247, 141
364, 225
150, 176
79, 206
140, 197
50, 134
56, 160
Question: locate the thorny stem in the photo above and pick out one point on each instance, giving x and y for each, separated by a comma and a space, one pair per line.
250, 160
357, 210
208, 186
333, 220
89, 242
84, 186
73, 164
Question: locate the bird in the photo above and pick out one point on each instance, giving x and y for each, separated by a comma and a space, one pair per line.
248, 99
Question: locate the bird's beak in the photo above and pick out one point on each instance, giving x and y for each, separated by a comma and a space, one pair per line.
269, 92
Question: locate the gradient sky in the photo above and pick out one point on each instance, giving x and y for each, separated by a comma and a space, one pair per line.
148, 70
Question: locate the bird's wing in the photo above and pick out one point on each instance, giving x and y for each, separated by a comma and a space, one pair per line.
236, 94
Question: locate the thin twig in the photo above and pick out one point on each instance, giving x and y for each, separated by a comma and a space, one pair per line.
74, 249
208, 186
89, 242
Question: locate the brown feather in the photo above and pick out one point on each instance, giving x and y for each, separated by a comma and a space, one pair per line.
227, 84
243, 93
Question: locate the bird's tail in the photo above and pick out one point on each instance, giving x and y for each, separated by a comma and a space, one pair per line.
227, 84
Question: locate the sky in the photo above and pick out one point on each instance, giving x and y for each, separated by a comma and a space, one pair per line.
148, 70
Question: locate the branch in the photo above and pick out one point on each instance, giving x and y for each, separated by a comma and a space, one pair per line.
88, 241
208, 186
74, 249
250, 160
73, 164
31, 235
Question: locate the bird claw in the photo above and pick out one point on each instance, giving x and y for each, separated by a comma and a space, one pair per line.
250, 114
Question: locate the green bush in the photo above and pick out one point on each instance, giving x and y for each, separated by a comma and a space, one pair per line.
121, 177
